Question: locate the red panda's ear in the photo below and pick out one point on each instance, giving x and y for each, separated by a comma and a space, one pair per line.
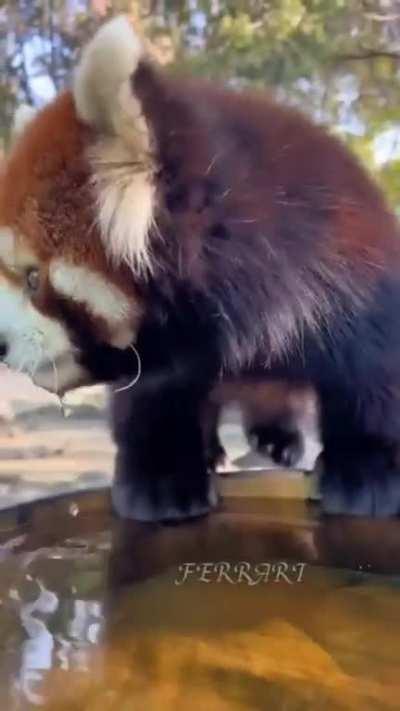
121, 156
106, 64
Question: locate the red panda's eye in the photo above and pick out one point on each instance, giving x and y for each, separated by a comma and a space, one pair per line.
33, 279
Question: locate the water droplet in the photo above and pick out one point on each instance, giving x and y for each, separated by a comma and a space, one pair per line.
74, 509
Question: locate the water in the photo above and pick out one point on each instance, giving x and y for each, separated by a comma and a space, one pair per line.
258, 607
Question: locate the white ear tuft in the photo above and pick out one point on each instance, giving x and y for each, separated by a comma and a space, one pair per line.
106, 63
121, 159
22, 117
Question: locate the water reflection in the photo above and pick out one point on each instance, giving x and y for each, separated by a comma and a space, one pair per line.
37, 649
51, 611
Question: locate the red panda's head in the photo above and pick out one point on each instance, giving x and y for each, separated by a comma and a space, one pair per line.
76, 205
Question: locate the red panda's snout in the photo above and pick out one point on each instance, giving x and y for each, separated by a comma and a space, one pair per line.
55, 317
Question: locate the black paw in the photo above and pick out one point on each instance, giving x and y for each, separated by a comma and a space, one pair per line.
366, 485
215, 456
285, 447
165, 498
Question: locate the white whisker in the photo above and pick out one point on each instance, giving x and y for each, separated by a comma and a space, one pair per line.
137, 376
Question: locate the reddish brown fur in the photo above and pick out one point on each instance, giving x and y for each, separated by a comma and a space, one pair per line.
49, 152
46, 196
47, 199
266, 401
286, 162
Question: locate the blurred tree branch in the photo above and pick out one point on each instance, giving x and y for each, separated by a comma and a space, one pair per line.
367, 55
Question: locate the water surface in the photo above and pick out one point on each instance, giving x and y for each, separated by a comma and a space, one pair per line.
260, 606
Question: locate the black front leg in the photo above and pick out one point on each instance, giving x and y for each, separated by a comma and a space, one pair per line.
279, 440
161, 471
359, 468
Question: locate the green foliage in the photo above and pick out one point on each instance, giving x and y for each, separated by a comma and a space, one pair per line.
390, 180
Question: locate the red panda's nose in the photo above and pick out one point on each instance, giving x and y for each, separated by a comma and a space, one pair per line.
3, 350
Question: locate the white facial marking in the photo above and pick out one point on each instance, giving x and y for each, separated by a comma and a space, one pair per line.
122, 166
103, 299
35, 343
84, 285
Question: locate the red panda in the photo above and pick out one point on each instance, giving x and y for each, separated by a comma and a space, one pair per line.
212, 234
